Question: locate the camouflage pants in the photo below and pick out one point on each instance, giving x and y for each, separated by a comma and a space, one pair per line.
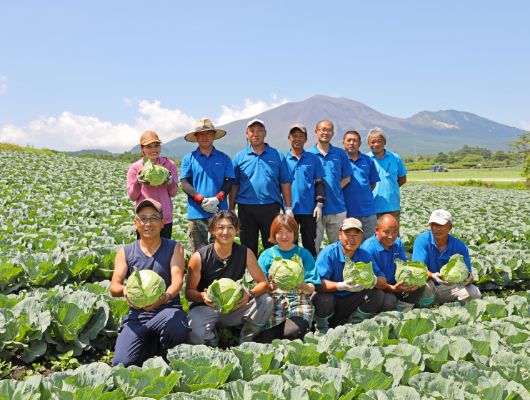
198, 234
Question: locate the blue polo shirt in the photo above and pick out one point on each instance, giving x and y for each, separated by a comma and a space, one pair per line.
310, 271
336, 167
259, 175
426, 251
206, 174
330, 263
386, 192
385, 259
304, 171
358, 194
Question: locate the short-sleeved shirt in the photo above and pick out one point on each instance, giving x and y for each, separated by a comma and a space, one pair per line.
385, 259
304, 171
206, 174
259, 176
386, 192
426, 251
290, 303
330, 263
358, 194
336, 167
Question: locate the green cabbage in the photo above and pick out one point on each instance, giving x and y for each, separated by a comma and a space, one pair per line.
144, 288
288, 274
224, 294
154, 175
359, 272
411, 272
455, 271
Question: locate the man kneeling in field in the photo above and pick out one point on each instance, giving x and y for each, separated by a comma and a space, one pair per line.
385, 247
225, 259
338, 300
153, 329
436, 248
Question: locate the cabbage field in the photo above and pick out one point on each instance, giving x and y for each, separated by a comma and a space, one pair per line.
62, 219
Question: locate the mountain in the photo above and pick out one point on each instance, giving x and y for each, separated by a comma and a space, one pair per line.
426, 132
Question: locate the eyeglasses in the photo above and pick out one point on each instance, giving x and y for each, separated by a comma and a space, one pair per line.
145, 220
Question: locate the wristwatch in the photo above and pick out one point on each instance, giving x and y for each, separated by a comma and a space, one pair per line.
251, 296
168, 297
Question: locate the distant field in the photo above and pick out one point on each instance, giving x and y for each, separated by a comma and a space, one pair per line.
493, 175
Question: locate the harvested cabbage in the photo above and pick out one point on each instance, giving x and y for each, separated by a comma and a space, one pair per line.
144, 288
224, 294
359, 272
411, 272
455, 271
154, 175
288, 274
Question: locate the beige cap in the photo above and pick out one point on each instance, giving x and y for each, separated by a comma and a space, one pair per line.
351, 223
149, 137
441, 217
149, 203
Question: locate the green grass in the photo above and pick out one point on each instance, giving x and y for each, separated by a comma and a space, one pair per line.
491, 174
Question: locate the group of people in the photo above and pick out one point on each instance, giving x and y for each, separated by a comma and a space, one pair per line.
351, 197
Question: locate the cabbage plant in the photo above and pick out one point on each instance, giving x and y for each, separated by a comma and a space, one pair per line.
411, 272
359, 272
154, 175
455, 271
288, 274
144, 288
224, 294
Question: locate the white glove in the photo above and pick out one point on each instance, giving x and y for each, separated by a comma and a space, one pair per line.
317, 212
209, 204
289, 211
438, 278
460, 294
347, 286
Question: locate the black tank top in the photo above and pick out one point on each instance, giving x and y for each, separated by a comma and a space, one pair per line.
213, 267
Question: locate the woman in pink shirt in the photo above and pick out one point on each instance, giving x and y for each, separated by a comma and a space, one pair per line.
150, 147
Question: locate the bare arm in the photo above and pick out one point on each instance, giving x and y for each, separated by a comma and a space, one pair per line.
344, 182
402, 180
286, 193
232, 197
117, 287
194, 277
134, 188
257, 274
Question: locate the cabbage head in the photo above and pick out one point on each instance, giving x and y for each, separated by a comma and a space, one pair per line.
144, 288
154, 175
288, 274
359, 272
455, 271
224, 294
411, 272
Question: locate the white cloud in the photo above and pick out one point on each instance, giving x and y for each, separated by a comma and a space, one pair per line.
69, 131
525, 125
251, 108
3, 84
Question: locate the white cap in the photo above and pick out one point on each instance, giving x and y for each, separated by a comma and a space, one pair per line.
351, 223
441, 217
255, 121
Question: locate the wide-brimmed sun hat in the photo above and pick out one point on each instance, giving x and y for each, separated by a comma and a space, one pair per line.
204, 125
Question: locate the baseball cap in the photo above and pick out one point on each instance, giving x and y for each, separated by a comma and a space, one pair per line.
441, 217
255, 121
351, 223
149, 203
300, 127
149, 137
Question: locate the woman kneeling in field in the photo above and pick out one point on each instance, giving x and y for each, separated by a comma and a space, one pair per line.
293, 312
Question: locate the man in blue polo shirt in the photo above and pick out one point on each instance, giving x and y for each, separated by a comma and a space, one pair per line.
434, 248
337, 174
358, 194
206, 177
338, 301
262, 182
392, 172
385, 247
308, 192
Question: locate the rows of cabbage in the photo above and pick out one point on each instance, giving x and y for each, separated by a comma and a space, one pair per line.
62, 219
495, 224
476, 351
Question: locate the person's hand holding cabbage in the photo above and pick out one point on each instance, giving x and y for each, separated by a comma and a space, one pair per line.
288, 275
145, 290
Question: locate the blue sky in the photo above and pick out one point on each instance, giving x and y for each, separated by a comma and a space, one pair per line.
95, 74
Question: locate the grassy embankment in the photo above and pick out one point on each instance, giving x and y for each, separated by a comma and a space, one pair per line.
502, 178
